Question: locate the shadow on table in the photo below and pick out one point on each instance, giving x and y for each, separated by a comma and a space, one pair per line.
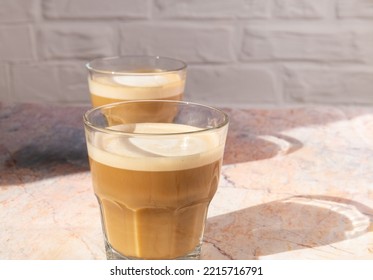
257, 134
61, 145
294, 223
39, 142
59, 152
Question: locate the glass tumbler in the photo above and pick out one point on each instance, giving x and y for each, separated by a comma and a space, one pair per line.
124, 78
154, 177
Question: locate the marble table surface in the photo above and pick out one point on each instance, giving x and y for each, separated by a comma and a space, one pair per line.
297, 183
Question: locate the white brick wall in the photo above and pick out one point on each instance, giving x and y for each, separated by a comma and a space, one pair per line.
239, 52
328, 84
4, 83
76, 41
355, 8
301, 9
211, 9
16, 43
194, 43
237, 84
94, 9
13, 11
302, 45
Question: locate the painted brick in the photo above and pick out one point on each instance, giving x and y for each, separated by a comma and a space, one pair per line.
77, 41
73, 83
302, 9
4, 83
192, 43
237, 85
212, 9
321, 85
45, 82
355, 8
16, 43
324, 45
18, 10
35, 83
78, 9
365, 45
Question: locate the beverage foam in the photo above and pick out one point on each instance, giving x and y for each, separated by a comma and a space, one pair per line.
160, 153
140, 86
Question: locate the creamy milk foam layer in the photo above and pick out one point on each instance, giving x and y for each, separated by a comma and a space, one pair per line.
161, 153
140, 86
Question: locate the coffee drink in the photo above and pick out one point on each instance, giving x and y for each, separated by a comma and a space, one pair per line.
153, 84
154, 192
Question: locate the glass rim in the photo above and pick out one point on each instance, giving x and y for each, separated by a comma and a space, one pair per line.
90, 67
89, 124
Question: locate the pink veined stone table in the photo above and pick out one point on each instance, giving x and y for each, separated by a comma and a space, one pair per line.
297, 183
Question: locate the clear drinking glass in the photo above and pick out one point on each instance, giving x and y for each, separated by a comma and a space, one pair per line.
123, 78
154, 179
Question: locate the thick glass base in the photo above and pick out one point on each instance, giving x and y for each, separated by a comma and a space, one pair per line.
112, 254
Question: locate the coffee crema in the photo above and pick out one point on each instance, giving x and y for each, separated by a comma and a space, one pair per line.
162, 86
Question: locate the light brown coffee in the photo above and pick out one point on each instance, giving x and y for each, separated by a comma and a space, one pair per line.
154, 194
154, 85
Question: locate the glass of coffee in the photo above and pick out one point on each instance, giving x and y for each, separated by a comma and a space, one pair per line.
124, 78
154, 178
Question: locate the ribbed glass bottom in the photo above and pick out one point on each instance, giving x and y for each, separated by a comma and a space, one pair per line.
111, 254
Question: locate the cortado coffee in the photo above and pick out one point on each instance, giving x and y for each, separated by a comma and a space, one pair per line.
150, 85
154, 192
